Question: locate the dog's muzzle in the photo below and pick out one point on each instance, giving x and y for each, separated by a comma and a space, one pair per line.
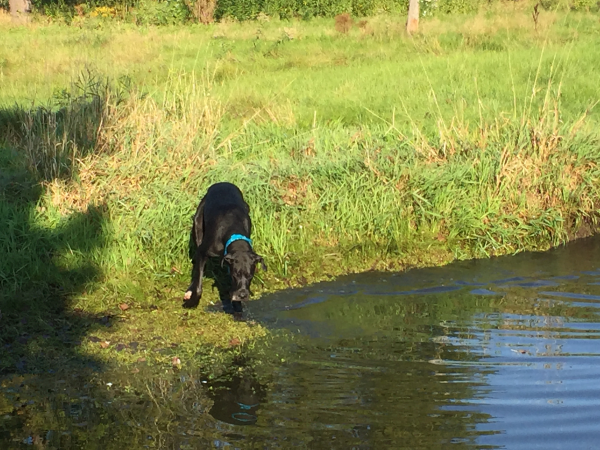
240, 296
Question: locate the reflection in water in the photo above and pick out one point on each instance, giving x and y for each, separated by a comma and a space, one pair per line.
498, 353
237, 396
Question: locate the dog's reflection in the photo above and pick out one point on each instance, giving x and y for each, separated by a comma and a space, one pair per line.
237, 399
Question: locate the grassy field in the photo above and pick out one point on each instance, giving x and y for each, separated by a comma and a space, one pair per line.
357, 151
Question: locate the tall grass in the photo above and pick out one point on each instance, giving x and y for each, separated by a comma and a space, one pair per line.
325, 197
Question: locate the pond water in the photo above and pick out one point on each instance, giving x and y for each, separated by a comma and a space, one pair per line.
498, 353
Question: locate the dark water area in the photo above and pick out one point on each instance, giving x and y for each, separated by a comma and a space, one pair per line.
498, 353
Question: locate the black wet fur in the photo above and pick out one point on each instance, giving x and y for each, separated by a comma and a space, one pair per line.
222, 213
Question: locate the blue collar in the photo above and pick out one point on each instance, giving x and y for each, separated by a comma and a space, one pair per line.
236, 237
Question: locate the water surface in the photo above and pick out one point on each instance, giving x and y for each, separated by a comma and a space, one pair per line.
498, 353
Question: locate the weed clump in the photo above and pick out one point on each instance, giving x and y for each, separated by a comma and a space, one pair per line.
54, 137
343, 23
202, 10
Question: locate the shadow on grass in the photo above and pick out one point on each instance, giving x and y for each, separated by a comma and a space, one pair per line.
44, 263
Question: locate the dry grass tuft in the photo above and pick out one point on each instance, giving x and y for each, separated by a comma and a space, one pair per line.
108, 140
293, 191
4, 18
485, 24
343, 23
202, 10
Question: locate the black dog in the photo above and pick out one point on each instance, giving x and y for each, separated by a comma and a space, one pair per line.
222, 227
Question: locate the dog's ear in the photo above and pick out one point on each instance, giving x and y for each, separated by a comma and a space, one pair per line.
259, 259
228, 259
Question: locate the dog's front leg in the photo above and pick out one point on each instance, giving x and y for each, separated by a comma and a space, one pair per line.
194, 292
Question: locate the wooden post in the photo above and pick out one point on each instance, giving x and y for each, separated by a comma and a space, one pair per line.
412, 24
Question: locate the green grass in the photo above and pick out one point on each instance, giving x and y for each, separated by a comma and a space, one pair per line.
367, 150
341, 77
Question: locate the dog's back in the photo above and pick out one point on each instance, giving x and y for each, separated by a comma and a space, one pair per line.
221, 213
222, 196
224, 204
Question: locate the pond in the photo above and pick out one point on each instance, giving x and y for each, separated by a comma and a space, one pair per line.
497, 353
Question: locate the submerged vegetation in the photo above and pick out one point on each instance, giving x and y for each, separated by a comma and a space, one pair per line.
357, 149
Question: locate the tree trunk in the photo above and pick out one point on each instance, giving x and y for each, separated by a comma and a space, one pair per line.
20, 10
412, 24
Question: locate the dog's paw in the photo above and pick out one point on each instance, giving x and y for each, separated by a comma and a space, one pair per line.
190, 303
190, 299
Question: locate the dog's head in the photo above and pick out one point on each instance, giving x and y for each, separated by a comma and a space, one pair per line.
242, 266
